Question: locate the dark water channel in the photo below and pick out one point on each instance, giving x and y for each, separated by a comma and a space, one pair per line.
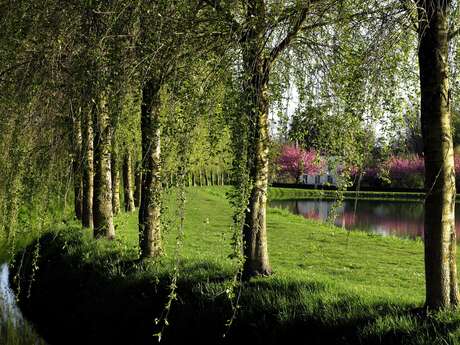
397, 218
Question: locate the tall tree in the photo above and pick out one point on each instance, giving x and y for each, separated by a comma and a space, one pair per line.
77, 162
87, 168
266, 30
110, 35
440, 237
115, 179
102, 198
164, 28
150, 206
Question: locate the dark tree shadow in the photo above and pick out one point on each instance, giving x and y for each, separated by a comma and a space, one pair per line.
73, 301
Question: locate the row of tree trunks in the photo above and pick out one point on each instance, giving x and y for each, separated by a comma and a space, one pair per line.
199, 179
207, 179
96, 164
84, 172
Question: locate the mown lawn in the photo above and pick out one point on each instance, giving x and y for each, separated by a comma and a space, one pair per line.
329, 286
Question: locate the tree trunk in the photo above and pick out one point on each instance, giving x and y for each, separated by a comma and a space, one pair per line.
255, 227
88, 169
115, 183
127, 183
77, 166
137, 185
102, 200
149, 213
440, 246
255, 244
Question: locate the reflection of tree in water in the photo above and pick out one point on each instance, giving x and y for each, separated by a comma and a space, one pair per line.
403, 219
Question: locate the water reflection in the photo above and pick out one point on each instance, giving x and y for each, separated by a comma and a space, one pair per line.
403, 219
10, 310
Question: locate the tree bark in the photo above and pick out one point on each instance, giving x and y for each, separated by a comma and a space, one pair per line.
102, 200
127, 183
88, 169
255, 244
149, 214
115, 183
77, 166
440, 246
137, 185
255, 227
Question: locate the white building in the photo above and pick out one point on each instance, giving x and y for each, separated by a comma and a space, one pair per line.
327, 177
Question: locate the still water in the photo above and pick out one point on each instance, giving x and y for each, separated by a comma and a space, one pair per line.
402, 219
10, 310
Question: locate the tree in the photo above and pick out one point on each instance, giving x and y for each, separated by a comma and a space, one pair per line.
88, 168
162, 35
150, 206
110, 31
102, 198
77, 164
296, 161
263, 33
440, 237
128, 183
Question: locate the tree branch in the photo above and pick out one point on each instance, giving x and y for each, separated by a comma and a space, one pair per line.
289, 36
215, 4
15, 66
452, 34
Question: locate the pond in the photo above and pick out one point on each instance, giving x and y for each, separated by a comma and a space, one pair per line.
397, 218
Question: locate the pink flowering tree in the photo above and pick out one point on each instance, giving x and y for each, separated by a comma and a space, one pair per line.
405, 171
400, 167
294, 162
402, 171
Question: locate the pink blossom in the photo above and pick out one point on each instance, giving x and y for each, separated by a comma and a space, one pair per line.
400, 167
295, 161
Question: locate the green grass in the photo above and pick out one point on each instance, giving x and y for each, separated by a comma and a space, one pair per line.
329, 285
18, 334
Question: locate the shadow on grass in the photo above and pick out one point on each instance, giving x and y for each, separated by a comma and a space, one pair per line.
81, 294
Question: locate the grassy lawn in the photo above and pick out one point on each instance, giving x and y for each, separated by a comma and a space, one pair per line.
329, 286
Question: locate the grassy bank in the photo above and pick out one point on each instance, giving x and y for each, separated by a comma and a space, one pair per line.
297, 193
329, 286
